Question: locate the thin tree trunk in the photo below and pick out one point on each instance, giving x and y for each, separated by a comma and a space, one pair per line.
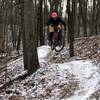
71, 15
40, 23
22, 31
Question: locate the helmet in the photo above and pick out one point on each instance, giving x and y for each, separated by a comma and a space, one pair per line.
54, 15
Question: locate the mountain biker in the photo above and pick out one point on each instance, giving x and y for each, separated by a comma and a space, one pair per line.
54, 20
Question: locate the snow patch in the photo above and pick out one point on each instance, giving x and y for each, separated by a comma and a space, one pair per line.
88, 75
43, 51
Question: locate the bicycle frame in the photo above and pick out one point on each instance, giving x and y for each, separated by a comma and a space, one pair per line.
56, 34
57, 41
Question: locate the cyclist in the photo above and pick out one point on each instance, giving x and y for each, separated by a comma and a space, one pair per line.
54, 20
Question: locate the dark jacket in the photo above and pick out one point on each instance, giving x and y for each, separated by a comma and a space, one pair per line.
56, 22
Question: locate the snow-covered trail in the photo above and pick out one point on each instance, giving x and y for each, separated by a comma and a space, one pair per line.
84, 71
74, 80
88, 77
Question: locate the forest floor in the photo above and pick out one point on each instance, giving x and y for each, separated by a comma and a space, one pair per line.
59, 76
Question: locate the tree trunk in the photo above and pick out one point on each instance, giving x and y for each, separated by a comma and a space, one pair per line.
40, 23
31, 40
71, 21
83, 8
93, 19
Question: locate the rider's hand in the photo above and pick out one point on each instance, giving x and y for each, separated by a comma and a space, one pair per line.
51, 24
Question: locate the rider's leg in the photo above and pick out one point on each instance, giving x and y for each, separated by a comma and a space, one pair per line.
50, 36
59, 35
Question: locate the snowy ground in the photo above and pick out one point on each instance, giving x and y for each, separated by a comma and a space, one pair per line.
85, 72
75, 80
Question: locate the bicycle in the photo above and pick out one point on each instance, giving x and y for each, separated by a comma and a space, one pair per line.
58, 40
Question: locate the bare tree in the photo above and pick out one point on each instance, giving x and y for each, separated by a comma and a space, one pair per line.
31, 40
40, 22
71, 21
83, 13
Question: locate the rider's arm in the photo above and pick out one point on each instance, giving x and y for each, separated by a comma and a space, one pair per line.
49, 22
61, 21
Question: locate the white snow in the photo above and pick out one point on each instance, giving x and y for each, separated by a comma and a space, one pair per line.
43, 52
88, 75
51, 81
85, 71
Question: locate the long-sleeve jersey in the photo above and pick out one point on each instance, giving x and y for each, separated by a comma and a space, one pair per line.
56, 22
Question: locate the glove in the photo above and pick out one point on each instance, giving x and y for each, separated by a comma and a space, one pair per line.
51, 25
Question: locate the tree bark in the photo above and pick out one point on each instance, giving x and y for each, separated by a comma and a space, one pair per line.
40, 23
31, 40
71, 21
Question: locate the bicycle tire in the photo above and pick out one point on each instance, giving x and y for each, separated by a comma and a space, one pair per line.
62, 45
